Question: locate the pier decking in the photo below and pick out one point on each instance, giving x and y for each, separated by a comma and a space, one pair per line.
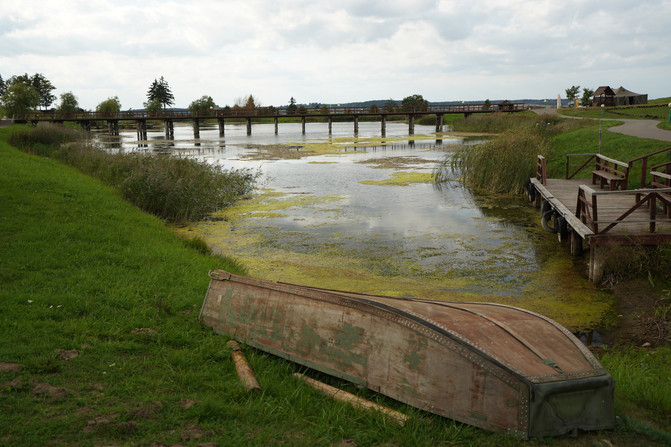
593, 217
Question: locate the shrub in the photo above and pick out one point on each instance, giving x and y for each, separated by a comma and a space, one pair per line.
172, 188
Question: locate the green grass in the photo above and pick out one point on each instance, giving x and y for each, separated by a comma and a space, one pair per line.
81, 269
614, 145
173, 188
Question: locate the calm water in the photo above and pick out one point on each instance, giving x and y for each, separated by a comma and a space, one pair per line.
314, 222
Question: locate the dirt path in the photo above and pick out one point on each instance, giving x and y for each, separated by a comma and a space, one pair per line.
633, 128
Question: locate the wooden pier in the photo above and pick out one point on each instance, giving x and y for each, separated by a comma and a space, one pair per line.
596, 215
140, 118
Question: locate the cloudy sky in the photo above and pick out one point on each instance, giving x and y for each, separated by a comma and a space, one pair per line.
337, 51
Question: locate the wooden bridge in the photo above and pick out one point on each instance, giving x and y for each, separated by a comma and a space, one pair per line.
140, 118
603, 213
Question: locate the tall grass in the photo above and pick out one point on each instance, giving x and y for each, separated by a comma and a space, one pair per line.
504, 163
172, 188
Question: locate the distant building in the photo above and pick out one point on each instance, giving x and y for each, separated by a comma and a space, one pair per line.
624, 97
603, 95
620, 97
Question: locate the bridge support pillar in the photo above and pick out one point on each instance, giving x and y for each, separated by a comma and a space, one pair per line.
113, 127
597, 263
169, 129
383, 126
411, 124
303, 125
576, 244
221, 123
330, 124
249, 126
356, 124
85, 125
196, 128
277, 125
439, 122
141, 128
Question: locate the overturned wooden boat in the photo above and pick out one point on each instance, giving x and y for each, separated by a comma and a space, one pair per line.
493, 366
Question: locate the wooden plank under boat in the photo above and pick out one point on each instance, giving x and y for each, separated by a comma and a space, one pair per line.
497, 367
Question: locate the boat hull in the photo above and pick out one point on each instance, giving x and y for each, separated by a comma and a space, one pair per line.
443, 357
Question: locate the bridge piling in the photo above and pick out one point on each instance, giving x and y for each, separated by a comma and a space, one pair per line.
277, 125
383, 126
439, 122
356, 124
330, 124
221, 123
411, 124
141, 129
249, 126
169, 130
196, 128
303, 125
113, 127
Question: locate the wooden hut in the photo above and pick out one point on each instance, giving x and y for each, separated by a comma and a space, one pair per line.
604, 95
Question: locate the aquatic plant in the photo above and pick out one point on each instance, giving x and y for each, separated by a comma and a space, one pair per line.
501, 165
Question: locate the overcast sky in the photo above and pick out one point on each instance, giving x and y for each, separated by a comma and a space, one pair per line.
337, 51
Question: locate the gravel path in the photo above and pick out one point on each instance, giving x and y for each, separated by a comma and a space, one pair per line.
634, 128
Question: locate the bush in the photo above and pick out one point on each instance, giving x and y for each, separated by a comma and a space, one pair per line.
170, 187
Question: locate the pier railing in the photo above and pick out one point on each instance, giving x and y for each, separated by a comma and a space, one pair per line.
644, 159
616, 212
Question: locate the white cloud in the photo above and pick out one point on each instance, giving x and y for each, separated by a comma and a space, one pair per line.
319, 51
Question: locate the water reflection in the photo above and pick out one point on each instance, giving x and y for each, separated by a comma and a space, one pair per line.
342, 219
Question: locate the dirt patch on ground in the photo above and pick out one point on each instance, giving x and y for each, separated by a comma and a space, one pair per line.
643, 321
7, 367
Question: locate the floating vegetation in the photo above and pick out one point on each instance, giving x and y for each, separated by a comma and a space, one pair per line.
402, 179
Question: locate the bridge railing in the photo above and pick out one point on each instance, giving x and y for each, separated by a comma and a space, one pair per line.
265, 112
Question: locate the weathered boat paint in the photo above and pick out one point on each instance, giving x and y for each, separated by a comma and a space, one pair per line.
493, 366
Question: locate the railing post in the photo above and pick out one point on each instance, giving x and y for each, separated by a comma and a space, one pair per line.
595, 215
652, 206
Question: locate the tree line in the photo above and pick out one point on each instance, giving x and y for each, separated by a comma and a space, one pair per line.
22, 94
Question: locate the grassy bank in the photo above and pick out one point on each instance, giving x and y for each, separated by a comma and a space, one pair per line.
101, 343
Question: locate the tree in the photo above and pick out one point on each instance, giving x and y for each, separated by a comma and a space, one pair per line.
416, 102
488, 104
587, 95
572, 93
68, 105
160, 90
109, 107
41, 84
204, 103
373, 109
19, 99
153, 106
390, 105
3, 86
44, 88
291, 109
